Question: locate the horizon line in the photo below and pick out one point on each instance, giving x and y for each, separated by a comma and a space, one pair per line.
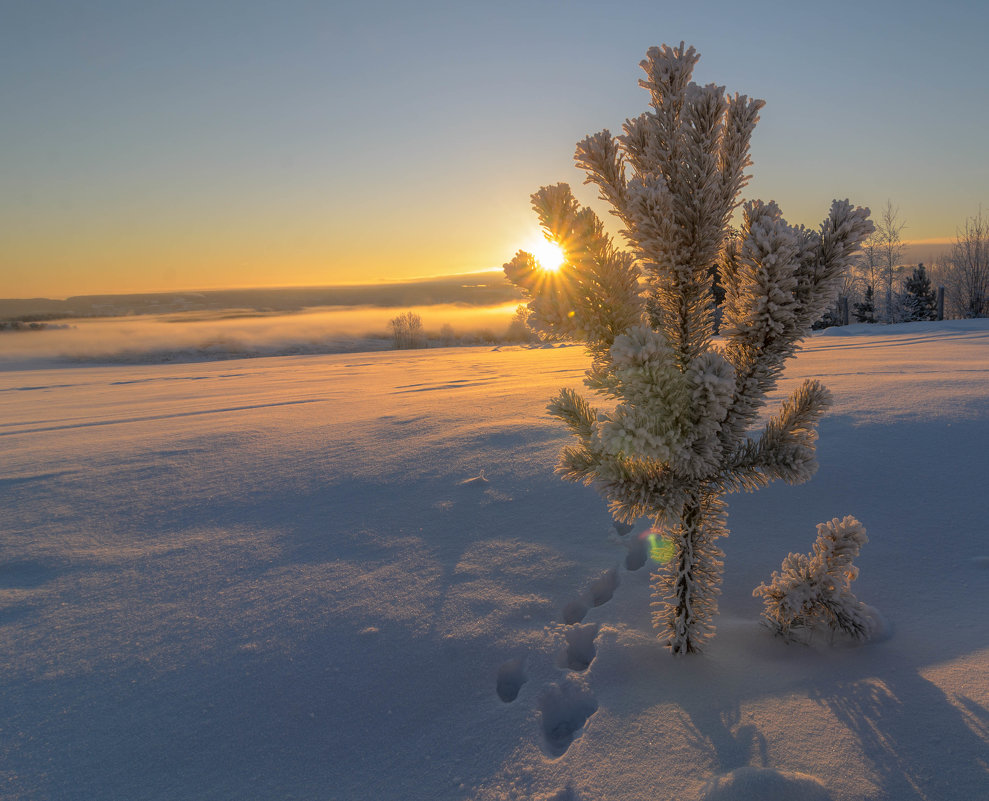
381, 282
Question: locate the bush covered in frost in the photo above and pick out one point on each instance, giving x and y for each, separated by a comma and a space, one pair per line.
813, 593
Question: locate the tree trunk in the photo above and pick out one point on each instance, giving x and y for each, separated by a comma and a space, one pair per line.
686, 588
683, 622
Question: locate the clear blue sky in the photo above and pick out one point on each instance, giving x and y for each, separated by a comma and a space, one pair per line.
180, 145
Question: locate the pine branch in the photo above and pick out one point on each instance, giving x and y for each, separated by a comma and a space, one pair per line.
827, 256
759, 319
668, 72
778, 280
576, 412
604, 162
637, 487
740, 121
577, 464
594, 296
786, 449
551, 299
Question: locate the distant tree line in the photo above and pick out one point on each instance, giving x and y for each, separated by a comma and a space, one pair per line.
408, 332
964, 272
22, 325
878, 288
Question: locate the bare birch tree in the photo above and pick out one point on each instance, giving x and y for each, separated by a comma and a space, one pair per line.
970, 261
889, 247
407, 331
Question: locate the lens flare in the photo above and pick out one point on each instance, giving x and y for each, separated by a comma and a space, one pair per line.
660, 548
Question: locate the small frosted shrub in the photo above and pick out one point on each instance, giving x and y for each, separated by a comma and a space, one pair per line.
813, 593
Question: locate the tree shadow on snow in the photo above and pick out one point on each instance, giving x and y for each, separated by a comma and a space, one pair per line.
717, 730
920, 743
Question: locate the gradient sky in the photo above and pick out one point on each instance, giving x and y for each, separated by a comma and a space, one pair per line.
183, 145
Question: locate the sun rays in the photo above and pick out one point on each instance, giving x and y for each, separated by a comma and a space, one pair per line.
549, 255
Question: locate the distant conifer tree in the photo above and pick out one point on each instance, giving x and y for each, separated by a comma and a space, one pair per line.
673, 438
920, 299
865, 312
830, 318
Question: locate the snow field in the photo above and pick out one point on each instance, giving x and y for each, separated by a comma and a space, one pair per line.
355, 576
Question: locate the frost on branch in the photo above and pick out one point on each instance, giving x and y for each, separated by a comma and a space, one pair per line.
674, 431
811, 593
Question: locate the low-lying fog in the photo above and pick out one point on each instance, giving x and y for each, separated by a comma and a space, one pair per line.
188, 336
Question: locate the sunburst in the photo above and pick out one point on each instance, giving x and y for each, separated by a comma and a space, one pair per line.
549, 255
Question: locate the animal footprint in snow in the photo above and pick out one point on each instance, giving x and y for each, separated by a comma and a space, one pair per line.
511, 677
636, 548
638, 553
621, 528
564, 709
580, 650
566, 794
574, 612
603, 589
600, 592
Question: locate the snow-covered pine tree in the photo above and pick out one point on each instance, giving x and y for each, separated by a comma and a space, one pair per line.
814, 592
919, 297
830, 318
674, 437
865, 312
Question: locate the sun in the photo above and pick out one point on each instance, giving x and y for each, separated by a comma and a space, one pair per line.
549, 255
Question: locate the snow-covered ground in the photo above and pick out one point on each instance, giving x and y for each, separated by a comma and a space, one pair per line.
348, 576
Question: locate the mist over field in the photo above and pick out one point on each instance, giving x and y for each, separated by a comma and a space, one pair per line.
232, 323
238, 333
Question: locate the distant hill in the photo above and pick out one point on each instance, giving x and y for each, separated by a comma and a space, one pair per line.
476, 289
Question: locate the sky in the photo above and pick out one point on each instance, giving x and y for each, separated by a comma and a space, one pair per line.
164, 146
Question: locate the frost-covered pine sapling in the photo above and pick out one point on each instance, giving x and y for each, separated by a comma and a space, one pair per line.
811, 593
674, 437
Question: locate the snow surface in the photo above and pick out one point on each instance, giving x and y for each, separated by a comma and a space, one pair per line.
357, 577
